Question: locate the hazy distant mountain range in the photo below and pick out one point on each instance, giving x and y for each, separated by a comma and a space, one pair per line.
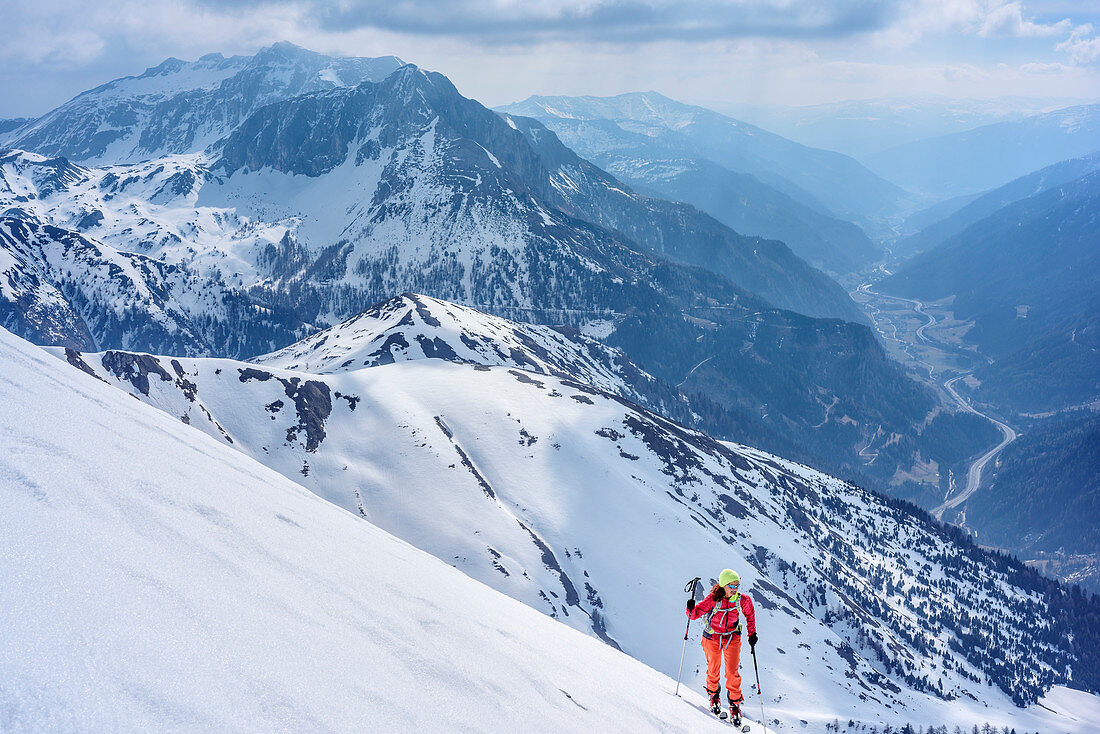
862, 127
992, 155
946, 225
628, 133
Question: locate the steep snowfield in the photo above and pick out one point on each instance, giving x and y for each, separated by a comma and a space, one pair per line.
595, 512
156, 581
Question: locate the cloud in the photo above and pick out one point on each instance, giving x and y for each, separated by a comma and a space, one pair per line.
501, 50
964, 74
617, 21
1041, 68
1082, 47
1008, 20
983, 18
53, 49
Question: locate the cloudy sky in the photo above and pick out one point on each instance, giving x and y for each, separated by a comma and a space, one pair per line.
715, 52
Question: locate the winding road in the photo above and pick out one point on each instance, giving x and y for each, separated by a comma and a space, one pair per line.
974, 473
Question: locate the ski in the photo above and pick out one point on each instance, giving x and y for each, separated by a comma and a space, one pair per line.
735, 719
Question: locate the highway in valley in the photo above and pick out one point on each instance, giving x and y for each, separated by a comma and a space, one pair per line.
957, 494
974, 474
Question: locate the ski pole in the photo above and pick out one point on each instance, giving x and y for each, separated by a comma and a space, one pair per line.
690, 589
758, 691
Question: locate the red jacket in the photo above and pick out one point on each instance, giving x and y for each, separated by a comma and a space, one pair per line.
723, 618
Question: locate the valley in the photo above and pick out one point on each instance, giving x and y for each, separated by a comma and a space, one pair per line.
927, 338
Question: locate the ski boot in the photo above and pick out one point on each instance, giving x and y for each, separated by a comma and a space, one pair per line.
735, 714
716, 702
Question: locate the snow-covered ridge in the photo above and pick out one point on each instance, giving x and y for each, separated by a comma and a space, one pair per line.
156, 581
59, 285
414, 326
594, 511
647, 113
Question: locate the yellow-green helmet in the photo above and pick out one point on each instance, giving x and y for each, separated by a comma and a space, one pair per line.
728, 577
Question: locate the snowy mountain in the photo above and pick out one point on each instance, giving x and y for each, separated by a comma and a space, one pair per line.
722, 389
600, 128
318, 207
417, 143
157, 581
992, 155
593, 511
413, 326
183, 107
139, 285
34, 303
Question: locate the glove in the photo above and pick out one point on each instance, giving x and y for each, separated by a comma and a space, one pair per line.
752, 641
691, 605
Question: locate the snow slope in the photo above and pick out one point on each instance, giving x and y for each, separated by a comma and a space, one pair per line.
156, 581
595, 512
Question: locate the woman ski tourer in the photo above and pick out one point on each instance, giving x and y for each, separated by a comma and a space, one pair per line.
723, 608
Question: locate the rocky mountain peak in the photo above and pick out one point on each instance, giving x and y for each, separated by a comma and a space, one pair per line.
183, 107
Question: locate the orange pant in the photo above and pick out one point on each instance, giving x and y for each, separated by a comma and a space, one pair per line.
731, 650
